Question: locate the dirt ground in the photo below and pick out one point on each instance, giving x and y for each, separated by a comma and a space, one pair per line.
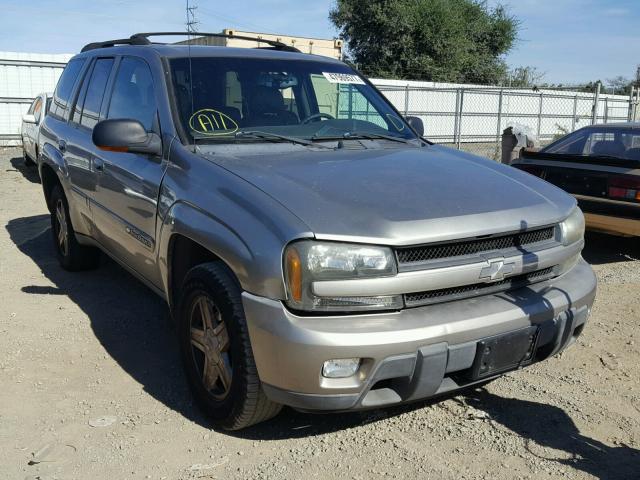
91, 387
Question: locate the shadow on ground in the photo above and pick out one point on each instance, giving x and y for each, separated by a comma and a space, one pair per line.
132, 324
550, 427
28, 172
602, 248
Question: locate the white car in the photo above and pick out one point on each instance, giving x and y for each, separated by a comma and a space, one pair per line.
31, 127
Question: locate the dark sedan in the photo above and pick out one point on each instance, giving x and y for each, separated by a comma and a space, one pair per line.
600, 166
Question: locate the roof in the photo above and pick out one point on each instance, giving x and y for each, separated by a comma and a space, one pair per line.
632, 125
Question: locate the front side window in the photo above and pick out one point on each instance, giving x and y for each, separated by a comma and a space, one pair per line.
133, 94
68, 79
37, 109
216, 98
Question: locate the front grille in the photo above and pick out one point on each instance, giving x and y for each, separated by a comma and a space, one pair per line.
426, 253
477, 289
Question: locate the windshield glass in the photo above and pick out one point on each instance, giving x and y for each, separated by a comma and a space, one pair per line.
622, 143
297, 99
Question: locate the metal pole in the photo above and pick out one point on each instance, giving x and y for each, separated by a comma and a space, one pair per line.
575, 113
406, 100
606, 109
630, 113
596, 100
455, 117
499, 125
540, 116
460, 121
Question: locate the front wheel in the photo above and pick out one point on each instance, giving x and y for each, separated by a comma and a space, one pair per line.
216, 350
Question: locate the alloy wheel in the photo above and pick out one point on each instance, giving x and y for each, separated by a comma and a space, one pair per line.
210, 346
62, 229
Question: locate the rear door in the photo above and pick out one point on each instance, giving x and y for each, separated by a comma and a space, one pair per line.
80, 151
129, 183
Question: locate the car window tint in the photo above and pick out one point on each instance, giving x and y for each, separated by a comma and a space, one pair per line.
621, 143
133, 95
65, 86
95, 92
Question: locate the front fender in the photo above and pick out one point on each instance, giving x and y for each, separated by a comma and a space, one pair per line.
257, 263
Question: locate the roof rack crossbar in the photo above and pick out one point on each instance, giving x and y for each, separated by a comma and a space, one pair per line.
274, 43
113, 43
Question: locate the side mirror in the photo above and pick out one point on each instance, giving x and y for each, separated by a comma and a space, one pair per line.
416, 124
125, 135
29, 118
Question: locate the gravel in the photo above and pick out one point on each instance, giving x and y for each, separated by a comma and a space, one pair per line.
91, 387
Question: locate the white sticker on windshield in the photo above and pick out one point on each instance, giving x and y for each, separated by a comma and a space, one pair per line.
343, 78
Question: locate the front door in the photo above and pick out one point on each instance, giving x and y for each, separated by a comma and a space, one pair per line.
128, 184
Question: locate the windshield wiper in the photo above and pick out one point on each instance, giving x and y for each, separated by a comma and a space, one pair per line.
355, 135
275, 136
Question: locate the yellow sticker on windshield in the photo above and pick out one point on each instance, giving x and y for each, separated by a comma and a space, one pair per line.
212, 122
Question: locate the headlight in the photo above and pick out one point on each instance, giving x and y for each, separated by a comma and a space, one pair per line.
309, 261
573, 227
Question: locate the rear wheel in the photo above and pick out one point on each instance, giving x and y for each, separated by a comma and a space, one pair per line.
71, 255
216, 350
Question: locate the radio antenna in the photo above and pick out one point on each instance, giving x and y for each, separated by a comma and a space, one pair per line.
191, 24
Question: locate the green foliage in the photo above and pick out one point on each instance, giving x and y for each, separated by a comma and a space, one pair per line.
438, 40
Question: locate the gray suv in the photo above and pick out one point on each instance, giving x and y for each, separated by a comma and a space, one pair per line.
314, 250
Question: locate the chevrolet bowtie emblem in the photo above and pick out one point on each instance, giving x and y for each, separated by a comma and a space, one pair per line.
496, 270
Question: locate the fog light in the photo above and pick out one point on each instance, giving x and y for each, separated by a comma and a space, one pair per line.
340, 367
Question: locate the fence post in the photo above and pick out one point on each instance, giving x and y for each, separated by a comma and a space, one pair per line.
606, 109
575, 113
460, 117
499, 125
596, 100
540, 117
406, 100
455, 117
630, 113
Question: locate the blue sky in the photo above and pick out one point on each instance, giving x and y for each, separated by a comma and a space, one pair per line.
572, 41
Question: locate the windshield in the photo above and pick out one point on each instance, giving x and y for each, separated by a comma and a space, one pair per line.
620, 143
235, 98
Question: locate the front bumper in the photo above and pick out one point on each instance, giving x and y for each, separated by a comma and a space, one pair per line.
407, 355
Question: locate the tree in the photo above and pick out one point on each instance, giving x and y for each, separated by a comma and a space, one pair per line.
620, 85
438, 40
523, 77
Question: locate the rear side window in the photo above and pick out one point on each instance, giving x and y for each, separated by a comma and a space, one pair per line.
61, 97
133, 95
90, 114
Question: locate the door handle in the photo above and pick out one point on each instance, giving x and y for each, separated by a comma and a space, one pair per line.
62, 145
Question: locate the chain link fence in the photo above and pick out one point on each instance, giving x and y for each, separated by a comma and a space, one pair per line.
473, 118
467, 117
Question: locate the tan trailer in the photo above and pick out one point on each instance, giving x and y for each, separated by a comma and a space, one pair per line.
316, 46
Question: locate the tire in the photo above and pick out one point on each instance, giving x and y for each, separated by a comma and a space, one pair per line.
71, 255
27, 160
216, 350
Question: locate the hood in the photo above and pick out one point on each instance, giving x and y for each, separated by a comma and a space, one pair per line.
400, 196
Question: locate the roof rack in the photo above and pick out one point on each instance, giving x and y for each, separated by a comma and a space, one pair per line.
143, 39
113, 43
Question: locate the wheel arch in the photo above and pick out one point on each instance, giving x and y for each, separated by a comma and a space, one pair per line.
190, 236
